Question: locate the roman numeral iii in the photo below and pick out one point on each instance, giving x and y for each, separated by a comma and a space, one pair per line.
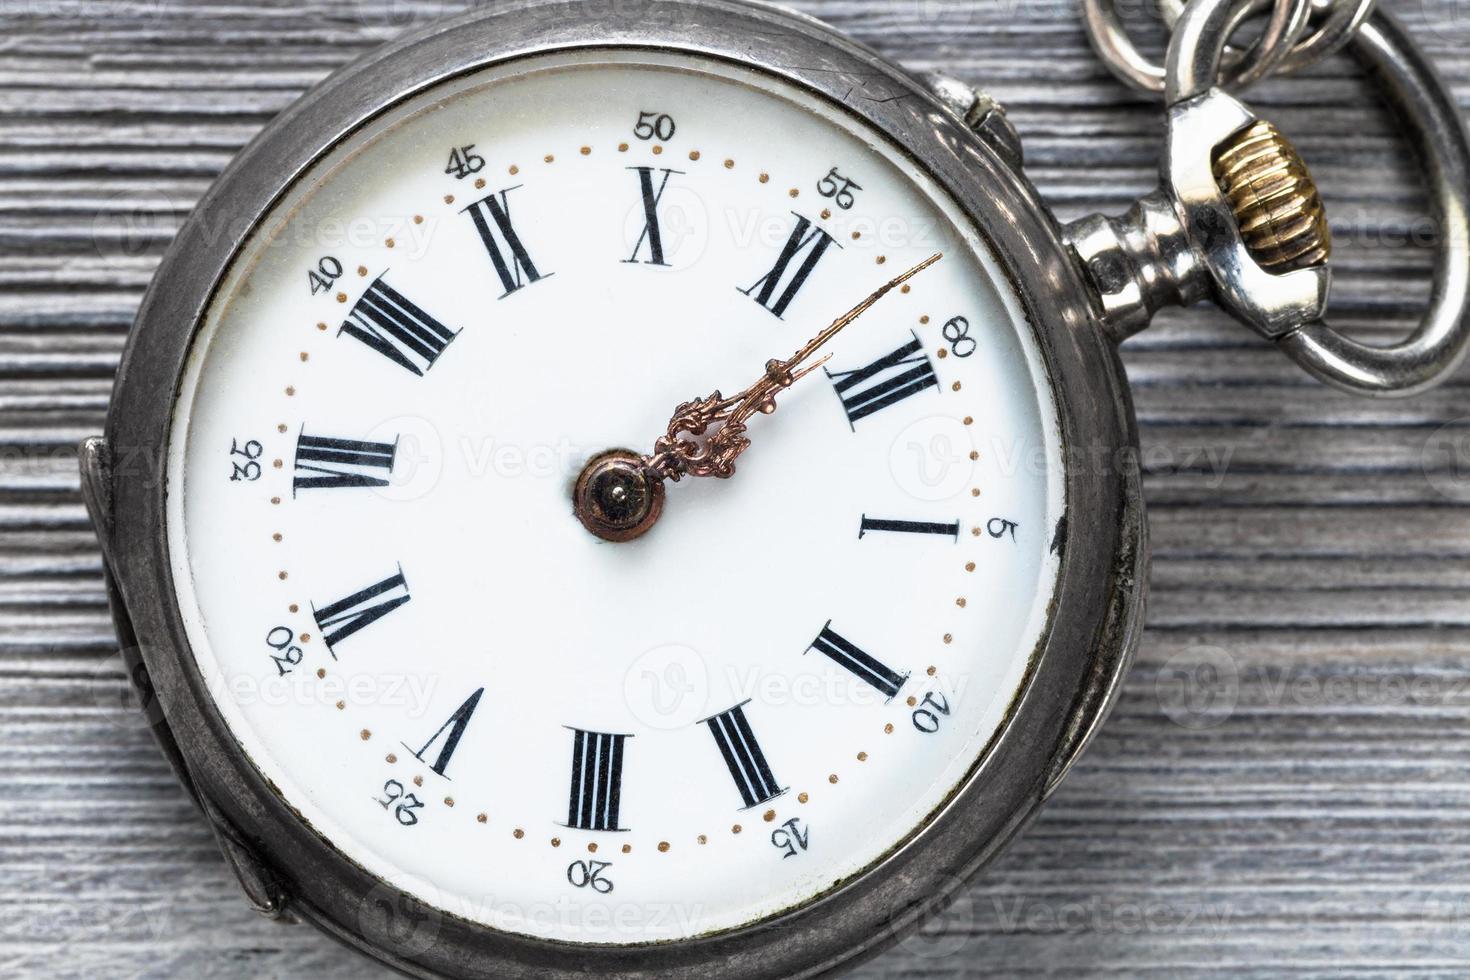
451, 732
743, 756
389, 323
652, 233
807, 242
508, 254
326, 463
597, 780
888, 380
848, 656
343, 618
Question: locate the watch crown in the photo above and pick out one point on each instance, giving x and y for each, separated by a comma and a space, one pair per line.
1274, 199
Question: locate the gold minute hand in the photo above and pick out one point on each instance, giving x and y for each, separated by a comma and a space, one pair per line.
705, 436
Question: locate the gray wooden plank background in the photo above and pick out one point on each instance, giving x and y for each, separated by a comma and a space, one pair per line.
1283, 787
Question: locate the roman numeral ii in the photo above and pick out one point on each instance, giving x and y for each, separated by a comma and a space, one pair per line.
807, 241
743, 756
389, 323
597, 780
343, 618
847, 655
326, 463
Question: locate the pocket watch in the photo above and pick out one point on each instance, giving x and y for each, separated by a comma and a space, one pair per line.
494, 638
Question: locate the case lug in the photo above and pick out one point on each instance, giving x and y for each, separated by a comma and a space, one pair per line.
261, 886
985, 116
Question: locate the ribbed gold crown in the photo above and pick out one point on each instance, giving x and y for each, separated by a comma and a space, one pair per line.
1274, 199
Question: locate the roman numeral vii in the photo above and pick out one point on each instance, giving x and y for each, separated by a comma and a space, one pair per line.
743, 756
326, 463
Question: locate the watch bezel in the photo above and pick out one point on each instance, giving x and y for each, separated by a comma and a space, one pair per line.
1101, 580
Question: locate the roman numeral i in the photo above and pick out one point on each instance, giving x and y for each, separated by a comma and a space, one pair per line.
389, 323
806, 241
507, 252
888, 380
743, 755
341, 619
326, 463
597, 780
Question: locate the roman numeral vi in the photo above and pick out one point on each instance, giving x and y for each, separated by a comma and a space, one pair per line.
343, 618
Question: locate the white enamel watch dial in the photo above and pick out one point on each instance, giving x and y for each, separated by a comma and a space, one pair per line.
410, 634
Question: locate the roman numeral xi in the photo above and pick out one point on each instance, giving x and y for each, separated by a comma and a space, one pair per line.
597, 780
323, 462
743, 755
391, 324
807, 242
345, 617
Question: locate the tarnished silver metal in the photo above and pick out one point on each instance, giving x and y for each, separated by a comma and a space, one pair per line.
1146, 259
1337, 22
1111, 41
985, 116
1075, 671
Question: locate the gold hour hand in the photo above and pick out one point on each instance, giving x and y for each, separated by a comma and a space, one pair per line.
704, 437
620, 494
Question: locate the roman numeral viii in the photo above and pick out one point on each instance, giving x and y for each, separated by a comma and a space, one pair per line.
888, 380
846, 655
326, 463
451, 732
807, 242
652, 233
743, 756
390, 324
597, 780
508, 253
343, 618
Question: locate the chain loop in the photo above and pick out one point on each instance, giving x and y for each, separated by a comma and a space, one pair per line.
1285, 45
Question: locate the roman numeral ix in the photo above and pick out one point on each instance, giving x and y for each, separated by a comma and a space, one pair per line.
908, 527
451, 731
343, 618
743, 756
326, 463
652, 233
848, 656
385, 320
888, 380
597, 780
806, 240
508, 253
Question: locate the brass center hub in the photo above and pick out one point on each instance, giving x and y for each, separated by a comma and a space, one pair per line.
616, 497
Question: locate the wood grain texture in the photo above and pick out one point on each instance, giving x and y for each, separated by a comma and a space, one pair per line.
1301, 810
